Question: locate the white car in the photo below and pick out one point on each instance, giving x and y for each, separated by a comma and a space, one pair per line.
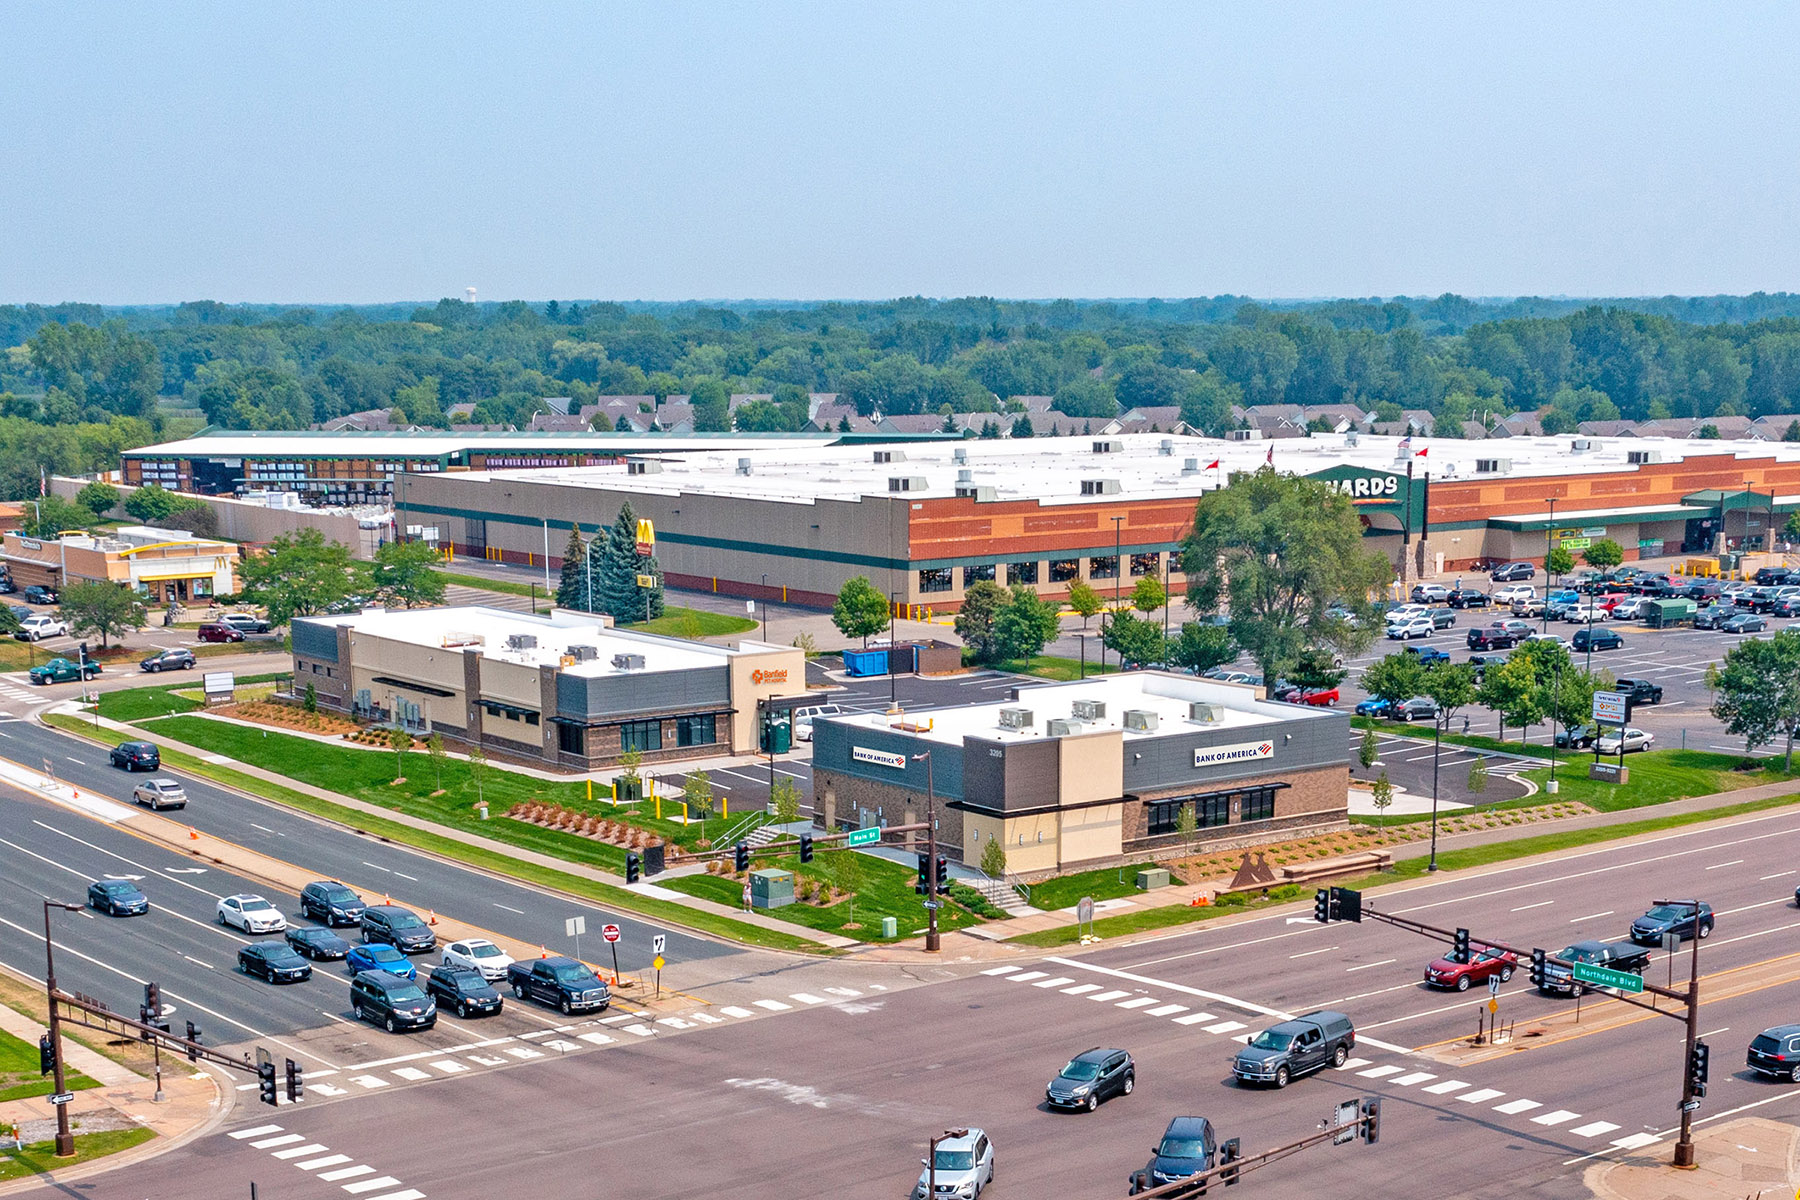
478, 954
804, 717
1630, 608
38, 627
1512, 593
1555, 639
252, 914
1412, 627
1634, 739
1585, 614
160, 792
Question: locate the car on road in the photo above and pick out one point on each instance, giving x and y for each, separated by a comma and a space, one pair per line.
245, 622
329, 901
1775, 1052
1430, 593
382, 998
478, 954
38, 626
1743, 623
136, 756
399, 927
1595, 639
960, 1167
464, 992
1294, 1048
1482, 963
1429, 654
1617, 956
1090, 1077
1188, 1147
379, 956
1467, 598
1630, 739
1419, 708
1374, 706
1717, 615
37, 593
1509, 572
561, 982
1578, 738
216, 632
1491, 637
117, 898
178, 659
1682, 920
1412, 627
1639, 691
276, 962
316, 942
62, 670
159, 792
250, 913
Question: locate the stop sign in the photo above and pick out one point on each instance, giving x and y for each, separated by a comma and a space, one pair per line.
610, 932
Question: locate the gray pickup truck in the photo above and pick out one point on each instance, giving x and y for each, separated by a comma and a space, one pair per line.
1618, 956
1297, 1047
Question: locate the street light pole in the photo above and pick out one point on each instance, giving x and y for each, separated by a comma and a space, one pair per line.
893, 685
931, 892
765, 604
65, 1138
1549, 545
1437, 742
1118, 573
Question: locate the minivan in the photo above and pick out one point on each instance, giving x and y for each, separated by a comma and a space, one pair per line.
1512, 571
391, 1002
803, 719
401, 928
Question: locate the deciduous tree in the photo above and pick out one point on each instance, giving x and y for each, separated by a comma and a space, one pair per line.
108, 609
1136, 641
1604, 554
302, 574
974, 623
1025, 624
1759, 691
1200, 646
860, 611
406, 574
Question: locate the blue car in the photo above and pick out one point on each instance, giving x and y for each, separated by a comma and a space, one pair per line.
1372, 708
379, 956
1428, 654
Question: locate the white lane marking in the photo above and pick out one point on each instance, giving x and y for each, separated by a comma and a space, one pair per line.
412, 1073
1446, 1087
1560, 1116
1514, 1107
509, 908
403, 875
346, 1173
110, 854
1539, 904
377, 866
1195, 1019
1414, 1077
403, 1058
197, 962
408, 1194
285, 1139
1590, 917
1381, 1072
297, 1151
1365, 966
1105, 997
330, 1160
1226, 1027
1480, 1096
325, 1089
1710, 1032
1008, 969
732, 1010
1310, 953
1776, 875
1593, 1129
671, 1022
1139, 1002
369, 1185
450, 1066
258, 1131
852, 993
1636, 1141
1053, 982
1166, 1010
1733, 863
487, 1060
640, 1030
524, 1052
772, 1005
1081, 989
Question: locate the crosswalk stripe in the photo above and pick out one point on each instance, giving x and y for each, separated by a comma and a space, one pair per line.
1350, 1064
1480, 1096
703, 1018
330, 1160
1026, 976
369, 1081
1446, 1087
640, 1030
732, 1010
408, 1194
1226, 1027
1140, 1002
807, 998
1593, 1129
286, 1139
598, 1039
1050, 983
1514, 1107
850, 993
772, 1005
370, 1185
297, 1151
1381, 1072
1103, 997
1081, 989
1166, 1010
1636, 1141
1555, 1118
346, 1173
259, 1131
1193, 1018
1008, 969
449, 1066
1415, 1077
325, 1089
412, 1073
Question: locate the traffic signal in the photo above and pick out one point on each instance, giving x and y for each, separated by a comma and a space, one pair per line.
1346, 904
805, 847
152, 1000
1697, 1068
943, 875
1371, 1130
1459, 948
265, 1082
1322, 906
1537, 967
46, 1055
296, 1083
193, 1037
1229, 1152
923, 883
740, 856
633, 868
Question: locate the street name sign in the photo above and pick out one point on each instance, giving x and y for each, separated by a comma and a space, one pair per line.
1623, 981
864, 837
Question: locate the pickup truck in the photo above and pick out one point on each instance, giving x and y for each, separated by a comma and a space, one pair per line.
61, 670
1619, 956
560, 982
1639, 691
1294, 1048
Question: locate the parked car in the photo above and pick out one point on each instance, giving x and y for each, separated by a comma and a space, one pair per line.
316, 942
329, 901
1481, 963
1188, 1147
1090, 1077
1743, 623
1509, 572
1769, 576
561, 982
160, 792
37, 593
1419, 708
387, 1000
1683, 920
62, 670
1610, 601
1512, 593
1412, 627
178, 659
1775, 1052
250, 913
1373, 707
1429, 654
960, 1166
1632, 738
464, 992
1467, 598
274, 961
217, 632
1717, 615
1631, 608
803, 719
245, 622
478, 954
7, 586
1555, 639
1294, 1048
1595, 639
1481, 662
379, 956
1530, 609
401, 927
1584, 614
117, 898
1578, 738
1788, 606
1492, 637
1639, 691
1619, 956
1430, 593
136, 756
1317, 697
39, 626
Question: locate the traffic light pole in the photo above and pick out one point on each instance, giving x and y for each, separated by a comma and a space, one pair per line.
1366, 1125
65, 1137
1684, 1145
932, 943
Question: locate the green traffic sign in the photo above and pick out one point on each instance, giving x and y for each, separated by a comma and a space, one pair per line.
864, 837
1623, 981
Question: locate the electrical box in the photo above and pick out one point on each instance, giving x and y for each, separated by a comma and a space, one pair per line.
770, 888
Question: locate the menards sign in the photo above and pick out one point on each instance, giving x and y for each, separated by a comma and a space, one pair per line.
1382, 491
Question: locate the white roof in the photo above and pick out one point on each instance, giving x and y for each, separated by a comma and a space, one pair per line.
320, 443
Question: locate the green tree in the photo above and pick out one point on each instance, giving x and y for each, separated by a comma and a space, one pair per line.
1024, 625
617, 565
399, 741
1085, 601
1452, 685
993, 858
310, 702
784, 800
974, 623
859, 610
1147, 595
1759, 691
152, 503
108, 609
1792, 432
1201, 646
1187, 823
1287, 553
1021, 426
406, 574
1478, 775
302, 574
434, 746
1368, 751
52, 515
697, 794
1395, 678
98, 498
712, 406
478, 772
1604, 554
1381, 795
1559, 561
1316, 669
1136, 641
572, 585
1512, 692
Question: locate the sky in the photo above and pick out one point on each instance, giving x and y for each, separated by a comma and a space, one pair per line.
353, 153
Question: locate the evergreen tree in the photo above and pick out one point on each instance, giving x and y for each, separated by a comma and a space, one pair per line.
617, 565
571, 590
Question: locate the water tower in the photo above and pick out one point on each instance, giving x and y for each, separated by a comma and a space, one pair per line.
469, 293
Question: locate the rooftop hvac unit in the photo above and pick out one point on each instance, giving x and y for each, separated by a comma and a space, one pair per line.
636, 467
1493, 466
628, 662
906, 483
960, 454
584, 653
1206, 714
1190, 466
1351, 438
1015, 718
1099, 487
1580, 446
1139, 720
1089, 710
1243, 435
1638, 458
1166, 446
965, 476
975, 491
1108, 447
1057, 727
743, 467
890, 456
521, 641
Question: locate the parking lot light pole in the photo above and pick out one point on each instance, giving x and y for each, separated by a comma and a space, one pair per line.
893, 686
65, 1139
1437, 744
931, 892
1549, 545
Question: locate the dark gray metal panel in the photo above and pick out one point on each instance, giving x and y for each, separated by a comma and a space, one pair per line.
697, 689
984, 772
315, 640
1300, 745
833, 742
1033, 774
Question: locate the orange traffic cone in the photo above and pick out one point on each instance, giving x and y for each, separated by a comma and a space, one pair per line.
543, 951
433, 920
193, 834
387, 899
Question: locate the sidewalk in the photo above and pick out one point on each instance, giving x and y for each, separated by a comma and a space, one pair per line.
1748, 1157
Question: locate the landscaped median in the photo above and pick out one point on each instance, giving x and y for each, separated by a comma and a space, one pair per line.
38, 1158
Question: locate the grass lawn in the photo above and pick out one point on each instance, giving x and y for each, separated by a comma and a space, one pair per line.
504, 586
38, 1157
1162, 917
160, 700
19, 1076
881, 889
1066, 891
693, 623
476, 856
1049, 666
1657, 776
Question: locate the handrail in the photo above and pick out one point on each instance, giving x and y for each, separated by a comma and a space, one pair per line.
1018, 885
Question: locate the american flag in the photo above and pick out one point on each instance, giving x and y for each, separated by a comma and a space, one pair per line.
1406, 442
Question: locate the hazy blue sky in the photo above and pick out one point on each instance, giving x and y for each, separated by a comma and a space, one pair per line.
358, 152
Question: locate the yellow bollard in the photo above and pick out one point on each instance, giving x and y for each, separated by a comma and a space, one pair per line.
724, 805
684, 812
659, 808
590, 791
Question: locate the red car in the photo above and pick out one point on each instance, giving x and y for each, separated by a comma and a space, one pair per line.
1318, 697
1610, 601
220, 633
1484, 961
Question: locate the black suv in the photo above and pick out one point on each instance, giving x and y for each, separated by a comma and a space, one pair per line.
401, 928
1493, 637
463, 991
136, 756
1467, 598
329, 901
1682, 920
1776, 1052
1090, 1077
37, 593
1716, 615
391, 1002
1187, 1148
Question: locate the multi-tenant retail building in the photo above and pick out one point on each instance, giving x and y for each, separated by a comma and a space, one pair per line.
161, 565
564, 689
1089, 773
